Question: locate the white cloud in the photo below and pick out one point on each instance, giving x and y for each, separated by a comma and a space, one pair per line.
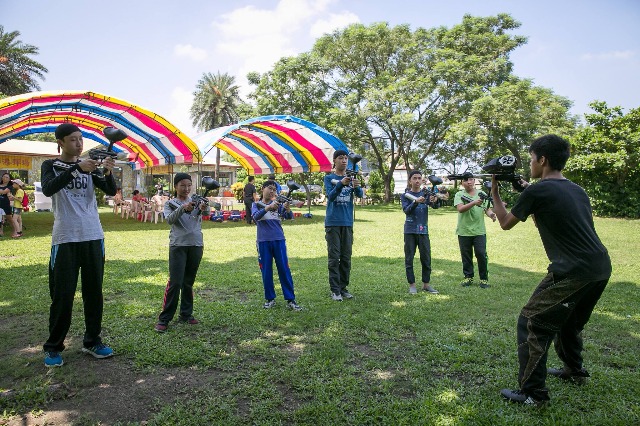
181, 100
259, 37
334, 22
616, 54
195, 53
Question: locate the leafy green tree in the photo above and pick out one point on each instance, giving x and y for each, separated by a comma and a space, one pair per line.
18, 71
509, 116
215, 104
391, 89
605, 160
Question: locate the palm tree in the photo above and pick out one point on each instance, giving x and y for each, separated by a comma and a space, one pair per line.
214, 104
18, 72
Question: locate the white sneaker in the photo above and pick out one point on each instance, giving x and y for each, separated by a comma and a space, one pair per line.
269, 304
336, 297
291, 304
346, 294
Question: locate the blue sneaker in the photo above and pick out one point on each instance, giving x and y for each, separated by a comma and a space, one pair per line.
99, 351
53, 359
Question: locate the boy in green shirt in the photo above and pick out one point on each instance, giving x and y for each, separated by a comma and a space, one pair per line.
471, 231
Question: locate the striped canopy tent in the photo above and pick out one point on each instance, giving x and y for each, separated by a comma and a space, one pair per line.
151, 140
274, 144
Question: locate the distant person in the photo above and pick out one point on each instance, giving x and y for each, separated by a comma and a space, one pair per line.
6, 200
471, 231
18, 186
77, 243
338, 224
249, 197
273, 247
186, 247
137, 196
416, 233
118, 200
579, 271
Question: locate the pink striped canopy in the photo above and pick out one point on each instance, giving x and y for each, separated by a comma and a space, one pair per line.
274, 144
151, 141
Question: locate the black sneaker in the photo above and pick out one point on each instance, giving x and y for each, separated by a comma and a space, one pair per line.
521, 398
576, 377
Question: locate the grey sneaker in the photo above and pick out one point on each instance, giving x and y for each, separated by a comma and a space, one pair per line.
430, 289
269, 304
413, 290
576, 377
336, 297
344, 293
291, 304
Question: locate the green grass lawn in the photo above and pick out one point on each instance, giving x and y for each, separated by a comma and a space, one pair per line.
385, 357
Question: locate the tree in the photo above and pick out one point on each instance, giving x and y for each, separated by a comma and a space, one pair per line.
605, 160
393, 90
508, 117
18, 72
215, 104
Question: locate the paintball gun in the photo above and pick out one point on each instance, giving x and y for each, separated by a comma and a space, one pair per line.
209, 184
482, 195
427, 192
352, 172
99, 154
113, 135
281, 199
502, 167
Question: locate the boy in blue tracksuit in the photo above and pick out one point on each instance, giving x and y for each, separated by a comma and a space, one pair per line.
338, 224
416, 234
268, 214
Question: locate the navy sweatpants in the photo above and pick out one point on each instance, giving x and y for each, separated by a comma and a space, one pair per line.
268, 251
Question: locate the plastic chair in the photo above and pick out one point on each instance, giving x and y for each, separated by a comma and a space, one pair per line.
147, 212
125, 208
158, 212
134, 210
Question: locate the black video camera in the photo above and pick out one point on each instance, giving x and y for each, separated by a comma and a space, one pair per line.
503, 168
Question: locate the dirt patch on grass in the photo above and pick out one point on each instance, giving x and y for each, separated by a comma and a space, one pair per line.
112, 390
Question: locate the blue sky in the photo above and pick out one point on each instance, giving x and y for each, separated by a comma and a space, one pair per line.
152, 53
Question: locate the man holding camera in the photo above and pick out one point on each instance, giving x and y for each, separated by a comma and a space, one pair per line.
578, 273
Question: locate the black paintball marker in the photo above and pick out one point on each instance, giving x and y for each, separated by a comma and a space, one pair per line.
281, 199
209, 184
427, 192
99, 154
113, 135
482, 195
502, 167
352, 172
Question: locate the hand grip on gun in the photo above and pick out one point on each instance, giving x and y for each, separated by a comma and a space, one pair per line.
413, 198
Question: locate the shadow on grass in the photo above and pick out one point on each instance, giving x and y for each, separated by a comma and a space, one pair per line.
385, 354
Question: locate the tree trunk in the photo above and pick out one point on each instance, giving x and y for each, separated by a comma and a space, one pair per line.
388, 195
217, 163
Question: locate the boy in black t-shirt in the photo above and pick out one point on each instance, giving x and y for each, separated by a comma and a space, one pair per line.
577, 275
